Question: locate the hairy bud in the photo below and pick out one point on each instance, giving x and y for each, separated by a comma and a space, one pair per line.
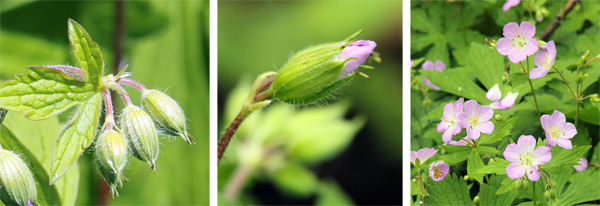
166, 112
111, 153
139, 129
17, 186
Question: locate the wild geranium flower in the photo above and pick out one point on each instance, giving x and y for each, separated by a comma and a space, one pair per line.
449, 124
509, 4
476, 119
581, 165
494, 95
544, 60
428, 65
423, 155
558, 130
518, 41
526, 158
438, 170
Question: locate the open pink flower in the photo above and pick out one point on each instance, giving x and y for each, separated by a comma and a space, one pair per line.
525, 158
582, 165
518, 41
476, 119
423, 155
360, 49
438, 170
449, 124
428, 65
494, 95
509, 4
544, 60
558, 130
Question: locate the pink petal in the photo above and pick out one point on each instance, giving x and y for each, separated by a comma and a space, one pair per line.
550, 141
509, 100
542, 155
496, 105
485, 113
447, 136
425, 153
511, 153
413, 156
528, 30
428, 65
473, 133
439, 66
428, 83
558, 119
533, 173
538, 72
471, 106
462, 119
458, 105
509, 4
441, 165
551, 49
517, 56
545, 119
526, 143
504, 46
441, 127
564, 143
531, 47
510, 30
486, 127
449, 110
494, 93
583, 164
539, 58
514, 170
569, 130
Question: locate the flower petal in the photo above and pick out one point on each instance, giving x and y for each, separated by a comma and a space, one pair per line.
527, 30
440, 66
485, 113
426, 153
558, 119
518, 55
428, 65
551, 49
447, 136
509, 100
564, 143
538, 72
514, 170
531, 47
449, 110
533, 173
473, 133
413, 156
494, 93
496, 105
511, 153
569, 130
582, 165
504, 46
539, 58
486, 127
462, 119
542, 155
510, 30
526, 143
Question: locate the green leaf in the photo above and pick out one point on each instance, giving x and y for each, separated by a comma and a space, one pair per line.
453, 190
486, 63
496, 167
87, 53
47, 194
456, 82
76, 137
584, 188
330, 193
488, 194
501, 130
491, 150
43, 93
475, 163
296, 180
507, 186
455, 157
561, 157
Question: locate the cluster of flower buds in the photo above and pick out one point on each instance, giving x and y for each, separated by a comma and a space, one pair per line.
17, 186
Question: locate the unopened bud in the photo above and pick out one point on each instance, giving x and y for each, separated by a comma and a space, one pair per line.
553, 182
313, 73
476, 200
166, 112
552, 193
141, 133
594, 98
427, 102
491, 160
579, 79
547, 195
518, 183
17, 186
542, 44
111, 152
466, 177
498, 118
414, 180
583, 59
525, 184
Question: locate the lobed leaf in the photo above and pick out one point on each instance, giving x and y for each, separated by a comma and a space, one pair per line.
87, 53
486, 64
496, 167
43, 93
488, 193
453, 190
475, 163
561, 157
584, 188
76, 137
501, 130
507, 186
456, 82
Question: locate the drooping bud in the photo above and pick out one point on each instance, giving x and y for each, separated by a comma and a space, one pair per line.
547, 195
111, 153
139, 129
166, 112
498, 118
315, 72
17, 186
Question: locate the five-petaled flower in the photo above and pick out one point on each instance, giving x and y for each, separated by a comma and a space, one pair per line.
558, 131
494, 95
428, 65
526, 158
518, 41
438, 170
423, 155
544, 60
476, 119
581, 165
449, 124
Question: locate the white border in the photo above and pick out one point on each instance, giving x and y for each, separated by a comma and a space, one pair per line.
213, 165
406, 199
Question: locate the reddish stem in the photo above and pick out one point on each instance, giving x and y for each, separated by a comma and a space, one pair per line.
132, 83
229, 134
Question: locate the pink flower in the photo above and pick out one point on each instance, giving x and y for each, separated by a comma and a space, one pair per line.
428, 65
476, 119
494, 95
525, 159
583, 163
544, 60
509, 4
438, 170
423, 155
558, 130
518, 41
360, 49
449, 124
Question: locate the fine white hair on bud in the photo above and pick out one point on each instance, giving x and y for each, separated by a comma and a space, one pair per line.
16, 180
140, 131
111, 154
166, 112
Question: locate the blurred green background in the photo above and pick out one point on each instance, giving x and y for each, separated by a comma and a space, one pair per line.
166, 46
259, 36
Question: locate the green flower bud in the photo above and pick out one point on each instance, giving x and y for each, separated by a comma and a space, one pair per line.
583, 59
498, 118
466, 177
427, 102
414, 180
547, 195
553, 182
111, 153
141, 133
476, 200
552, 194
492, 160
579, 79
166, 112
594, 98
525, 184
314, 73
17, 186
518, 183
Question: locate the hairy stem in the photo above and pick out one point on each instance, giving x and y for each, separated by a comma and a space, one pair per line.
109, 109
132, 83
237, 182
235, 124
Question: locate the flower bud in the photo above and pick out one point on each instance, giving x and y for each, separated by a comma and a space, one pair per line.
583, 59
579, 79
594, 98
414, 180
466, 177
111, 153
492, 160
476, 200
498, 118
315, 72
552, 193
518, 183
17, 186
525, 184
547, 195
141, 134
166, 112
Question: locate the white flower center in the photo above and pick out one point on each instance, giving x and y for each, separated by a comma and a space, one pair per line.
555, 132
519, 41
526, 159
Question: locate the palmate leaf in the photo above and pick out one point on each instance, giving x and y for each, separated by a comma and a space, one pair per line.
562, 157
488, 193
501, 130
475, 163
458, 83
584, 188
87, 53
453, 190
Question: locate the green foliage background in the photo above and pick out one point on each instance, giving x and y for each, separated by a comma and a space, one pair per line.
166, 47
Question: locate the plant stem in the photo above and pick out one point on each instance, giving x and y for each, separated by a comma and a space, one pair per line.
2, 115
237, 182
132, 83
420, 185
534, 193
109, 109
229, 133
557, 20
574, 96
121, 91
531, 85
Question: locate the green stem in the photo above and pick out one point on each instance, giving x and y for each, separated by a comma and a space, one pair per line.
534, 193
535, 99
574, 96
